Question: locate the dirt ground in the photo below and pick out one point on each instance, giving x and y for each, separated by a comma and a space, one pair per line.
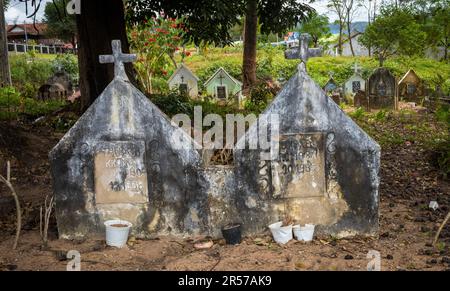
408, 183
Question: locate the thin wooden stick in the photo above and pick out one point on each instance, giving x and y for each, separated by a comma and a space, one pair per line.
441, 228
46, 214
7, 181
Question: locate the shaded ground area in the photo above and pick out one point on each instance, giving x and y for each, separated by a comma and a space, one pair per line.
409, 181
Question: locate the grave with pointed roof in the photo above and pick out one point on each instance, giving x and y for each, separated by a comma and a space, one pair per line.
324, 170
355, 83
185, 81
410, 87
222, 86
124, 159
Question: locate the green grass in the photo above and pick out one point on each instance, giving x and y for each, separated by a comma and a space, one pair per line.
271, 62
48, 57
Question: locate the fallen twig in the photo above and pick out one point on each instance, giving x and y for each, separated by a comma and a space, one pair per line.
7, 181
216, 264
441, 228
43, 224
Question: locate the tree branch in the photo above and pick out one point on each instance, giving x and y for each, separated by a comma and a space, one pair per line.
7, 181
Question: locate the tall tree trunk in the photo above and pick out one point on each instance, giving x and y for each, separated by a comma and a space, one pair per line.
369, 21
349, 31
250, 42
98, 24
340, 44
5, 74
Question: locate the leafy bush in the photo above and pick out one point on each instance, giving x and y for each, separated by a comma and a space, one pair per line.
443, 114
68, 63
13, 104
260, 96
172, 103
441, 156
29, 73
358, 113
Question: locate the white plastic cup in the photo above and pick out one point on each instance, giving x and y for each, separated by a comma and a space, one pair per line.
281, 234
117, 236
305, 233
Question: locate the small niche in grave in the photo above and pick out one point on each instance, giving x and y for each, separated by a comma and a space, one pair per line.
221, 92
183, 88
300, 169
356, 86
120, 174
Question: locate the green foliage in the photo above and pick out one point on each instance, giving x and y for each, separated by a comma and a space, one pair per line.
68, 63
156, 40
172, 103
272, 64
442, 146
318, 27
60, 25
395, 31
260, 97
13, 104
381, 115
441, 156
211, 21
443, 114
358, 113
29, 73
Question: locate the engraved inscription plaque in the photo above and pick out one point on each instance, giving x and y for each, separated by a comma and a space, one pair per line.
300, 170
120, 173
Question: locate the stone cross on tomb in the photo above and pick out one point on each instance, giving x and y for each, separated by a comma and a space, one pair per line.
182, 79
357, 68
118, 58
331, 74
303, 52
221, 77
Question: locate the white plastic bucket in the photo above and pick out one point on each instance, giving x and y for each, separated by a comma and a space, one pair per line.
117, 236
305, 233
281, 234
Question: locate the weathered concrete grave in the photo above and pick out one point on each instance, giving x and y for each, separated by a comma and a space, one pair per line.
324, 172
411, 88
58, 87
355, 83
382, 90
121, 161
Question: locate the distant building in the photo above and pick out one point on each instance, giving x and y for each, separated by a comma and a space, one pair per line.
359, 49
24, 33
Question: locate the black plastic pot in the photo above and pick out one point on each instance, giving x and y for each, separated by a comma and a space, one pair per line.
232, 233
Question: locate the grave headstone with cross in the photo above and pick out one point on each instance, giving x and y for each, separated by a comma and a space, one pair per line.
355, 83
124, 159
303, 52
382, 90
322, 168
185, 81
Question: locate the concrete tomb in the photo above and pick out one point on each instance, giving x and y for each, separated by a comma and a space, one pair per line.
124, 159
382, 90
324, 171
185, 81
411, 88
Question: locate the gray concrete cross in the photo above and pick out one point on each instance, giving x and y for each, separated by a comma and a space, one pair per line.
118, 58
303, 52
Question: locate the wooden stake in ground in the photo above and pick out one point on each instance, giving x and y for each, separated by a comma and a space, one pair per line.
45, 214
447, 218
7, 181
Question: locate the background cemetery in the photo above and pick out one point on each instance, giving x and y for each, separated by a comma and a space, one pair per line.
403, 105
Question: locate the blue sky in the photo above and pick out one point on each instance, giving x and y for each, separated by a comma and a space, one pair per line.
17, 11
